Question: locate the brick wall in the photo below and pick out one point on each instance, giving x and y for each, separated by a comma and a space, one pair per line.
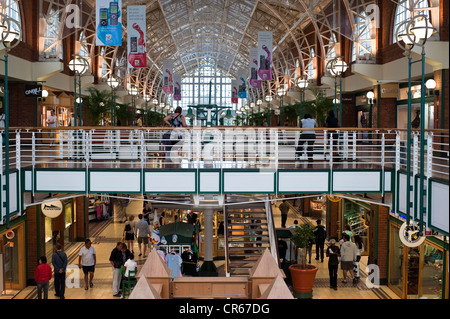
21, 108
378, 240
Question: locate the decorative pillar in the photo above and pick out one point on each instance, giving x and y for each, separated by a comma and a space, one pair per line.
208, 267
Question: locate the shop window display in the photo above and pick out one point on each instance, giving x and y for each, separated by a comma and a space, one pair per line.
432, 272
396, 261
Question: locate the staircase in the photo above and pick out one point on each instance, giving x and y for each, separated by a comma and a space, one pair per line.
247, 238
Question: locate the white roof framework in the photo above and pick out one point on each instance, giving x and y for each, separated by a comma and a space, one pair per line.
193, 32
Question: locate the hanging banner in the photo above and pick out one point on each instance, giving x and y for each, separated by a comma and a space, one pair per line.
265, 55
168, 77
254, 82
177, 87
136, 27
234, 91
109, 22
242, 92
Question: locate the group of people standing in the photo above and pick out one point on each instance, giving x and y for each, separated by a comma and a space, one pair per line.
347, 254
43, 273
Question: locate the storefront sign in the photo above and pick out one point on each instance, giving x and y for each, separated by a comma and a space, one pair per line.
410, 235
33, 90
52, 209
361, 100
348, 98
390, 90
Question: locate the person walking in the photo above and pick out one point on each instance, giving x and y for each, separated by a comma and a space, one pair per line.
116, 260
59, 262
321, 234
87, 260
333, 253
348, 256
129, 230
284, 209
146, 212
42, 276
307, 136
142, 233
359, 250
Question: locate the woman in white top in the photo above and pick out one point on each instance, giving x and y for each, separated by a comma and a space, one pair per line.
307, 136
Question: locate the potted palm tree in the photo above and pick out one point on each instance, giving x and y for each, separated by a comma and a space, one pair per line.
302, 274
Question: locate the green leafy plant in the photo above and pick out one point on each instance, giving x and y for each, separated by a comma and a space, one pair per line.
97, 104
302, 237
124, 114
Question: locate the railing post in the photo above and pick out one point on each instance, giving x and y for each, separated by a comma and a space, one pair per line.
415, 154
398, 155
354, 146
430, 147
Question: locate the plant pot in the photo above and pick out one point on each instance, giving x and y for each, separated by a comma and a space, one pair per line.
303, 280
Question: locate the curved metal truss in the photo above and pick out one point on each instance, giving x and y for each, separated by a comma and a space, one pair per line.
194, 32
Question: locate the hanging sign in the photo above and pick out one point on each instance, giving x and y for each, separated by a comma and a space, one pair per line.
109, 22
136, 30
242, 90
33, 90
177, 87
410, 235
254, 82
52, 209
168, 77
234, 91
265, 55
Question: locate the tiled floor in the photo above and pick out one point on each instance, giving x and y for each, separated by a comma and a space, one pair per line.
105, 235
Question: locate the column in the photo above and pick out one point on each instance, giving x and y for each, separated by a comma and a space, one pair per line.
208, 267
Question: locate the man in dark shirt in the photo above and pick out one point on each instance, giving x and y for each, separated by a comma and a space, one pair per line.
284, 209
59, 262
117, 260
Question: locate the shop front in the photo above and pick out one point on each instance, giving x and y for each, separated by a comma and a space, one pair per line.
417, 272
13, 257
356, 214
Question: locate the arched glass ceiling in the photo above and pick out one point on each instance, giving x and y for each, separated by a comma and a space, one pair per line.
191, 31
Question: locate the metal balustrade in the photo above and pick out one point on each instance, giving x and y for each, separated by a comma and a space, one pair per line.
224, 147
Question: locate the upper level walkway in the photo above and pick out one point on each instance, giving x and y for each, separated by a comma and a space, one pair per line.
226, 160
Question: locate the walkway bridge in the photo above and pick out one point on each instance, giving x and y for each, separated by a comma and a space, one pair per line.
196, 165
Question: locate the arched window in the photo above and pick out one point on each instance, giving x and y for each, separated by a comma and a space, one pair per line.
310, 71
196, 85
10, 8
362, 45
52, 44
405, 10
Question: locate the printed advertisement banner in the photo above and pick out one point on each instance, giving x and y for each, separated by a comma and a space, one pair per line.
234, 91
265, 55
177, 87
136, 31
255, 83
109, 22
242, 91
168, 77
